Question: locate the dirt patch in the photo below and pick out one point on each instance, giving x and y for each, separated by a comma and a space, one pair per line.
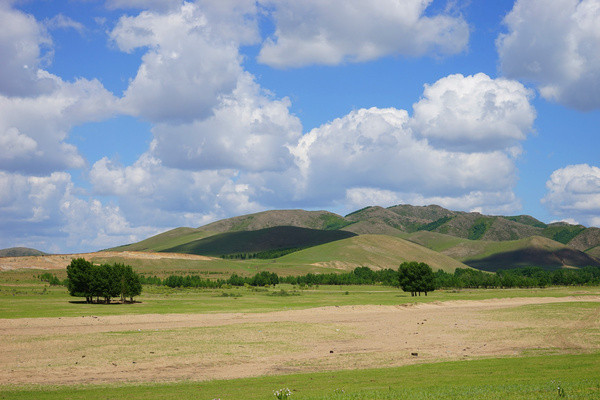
141, 348
60, 261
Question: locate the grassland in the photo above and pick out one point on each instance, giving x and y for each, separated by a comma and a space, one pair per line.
189, 337
506, 378
35, 300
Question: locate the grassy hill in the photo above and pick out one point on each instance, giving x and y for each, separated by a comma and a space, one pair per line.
323, 220
375, 251
21, 252
494, 255
165, 240
490, 241
279, 237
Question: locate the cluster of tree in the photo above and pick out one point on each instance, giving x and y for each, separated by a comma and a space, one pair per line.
102, 281
526, 277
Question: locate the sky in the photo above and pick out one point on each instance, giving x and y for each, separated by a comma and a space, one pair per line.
121, 119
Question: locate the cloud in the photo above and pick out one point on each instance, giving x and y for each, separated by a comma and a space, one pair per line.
24, 45
554, 43
34, 129
149, 192
160, 5
62, 21
474, 113
208, 113
191, 62
333, 32
374, 152
574, 192
247, 131
43, 212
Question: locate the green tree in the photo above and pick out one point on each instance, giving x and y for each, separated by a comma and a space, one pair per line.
416, 277
106, 281
79, 274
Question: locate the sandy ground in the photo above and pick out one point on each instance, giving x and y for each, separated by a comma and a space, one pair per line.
60, 261
173, 347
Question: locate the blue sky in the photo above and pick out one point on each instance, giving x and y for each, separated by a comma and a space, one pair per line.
122, 119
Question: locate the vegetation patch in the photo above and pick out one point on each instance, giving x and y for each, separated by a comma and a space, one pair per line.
432, 226
563, 233
479, 228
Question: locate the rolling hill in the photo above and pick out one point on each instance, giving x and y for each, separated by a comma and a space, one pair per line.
262, 240
494, 255
21, 252
374, 251
483, 241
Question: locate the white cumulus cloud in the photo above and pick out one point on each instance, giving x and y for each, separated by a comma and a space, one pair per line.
574, 192
35, 129
474, 113
190, 63
24, 45
555, 43
374, 152
333, 32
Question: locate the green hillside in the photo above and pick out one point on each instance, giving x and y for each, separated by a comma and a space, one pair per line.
586, 240
279, 237
434, 241
165, 240
21, 252
493, 255
484, 241
375, 251
323, 220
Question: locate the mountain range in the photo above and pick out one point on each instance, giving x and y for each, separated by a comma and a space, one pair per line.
471, 239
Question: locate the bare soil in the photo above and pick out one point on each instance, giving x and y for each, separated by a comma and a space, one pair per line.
60, 261
174, 347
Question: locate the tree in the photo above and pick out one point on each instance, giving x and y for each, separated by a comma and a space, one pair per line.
107, 281
79, 279
415, 277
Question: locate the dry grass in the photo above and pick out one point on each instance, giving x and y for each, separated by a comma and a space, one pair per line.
173, 347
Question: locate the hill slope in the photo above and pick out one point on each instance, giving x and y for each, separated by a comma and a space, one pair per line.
375, 251
493, 255
323, 220
21, 252
165, 240
279, 237
446, 229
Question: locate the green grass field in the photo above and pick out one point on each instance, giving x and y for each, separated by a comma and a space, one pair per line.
504, 378
34, 300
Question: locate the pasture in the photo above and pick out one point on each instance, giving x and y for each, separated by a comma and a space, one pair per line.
342, 342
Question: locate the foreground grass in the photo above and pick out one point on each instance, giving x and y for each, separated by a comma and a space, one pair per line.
505, 378
33, 300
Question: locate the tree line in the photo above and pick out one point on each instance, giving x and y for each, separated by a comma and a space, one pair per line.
105, 281
407, 277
